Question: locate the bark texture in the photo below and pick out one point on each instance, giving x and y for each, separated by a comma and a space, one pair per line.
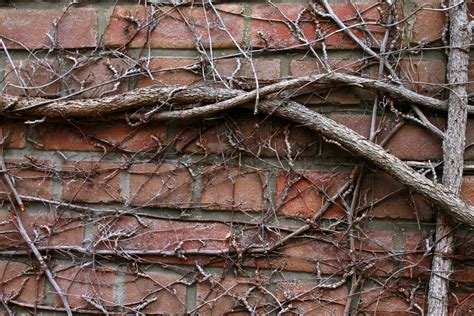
376, 155
453, 152
93, 108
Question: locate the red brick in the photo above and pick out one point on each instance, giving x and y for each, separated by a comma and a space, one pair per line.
463, 272
268, 29
51, 136
309, 299
329, 253
311, 66
233, 188
469, 152
321, 93
96, 73
467, 189
163, 235
416, 263
411, 142
19, 282
160, 185
15, 133
91, 182
97, 284
424, 76
303, 193
39, 77
220, 297
414, 142
77, 28
171, 31
30, 178
45, 228
375, 247
169, 296
169, 71
461, 305
388, 302
428, 25
267, 70
403, 205
247, 133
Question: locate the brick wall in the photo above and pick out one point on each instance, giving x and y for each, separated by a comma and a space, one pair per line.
228, 214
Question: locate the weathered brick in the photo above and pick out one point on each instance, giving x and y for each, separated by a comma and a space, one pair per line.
247, 133
416, 262
269, 30
329, 254
233, 188
96, 73
311, 66
219, 296
91, 182
251, 135
77, 28
39, 78
414, 142
30, 178
14, 131
461, 305
303, 193
403, 205
19, 282
109, 136
427, 25
163, 235
267, 70
373, 247
169, 71
176, 27
78, 283
45, 228
308, 299
411, 142
160, 185
389, 301
424, 76
169, 296
467, 188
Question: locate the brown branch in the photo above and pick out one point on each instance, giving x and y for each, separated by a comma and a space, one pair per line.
226, 98
453, 153
376, 155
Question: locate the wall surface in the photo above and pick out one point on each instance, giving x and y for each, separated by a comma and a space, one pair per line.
235, 213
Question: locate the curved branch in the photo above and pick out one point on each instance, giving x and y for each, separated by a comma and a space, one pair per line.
231, 98
376, 155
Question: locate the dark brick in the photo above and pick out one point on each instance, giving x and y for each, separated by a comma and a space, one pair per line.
403, 205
